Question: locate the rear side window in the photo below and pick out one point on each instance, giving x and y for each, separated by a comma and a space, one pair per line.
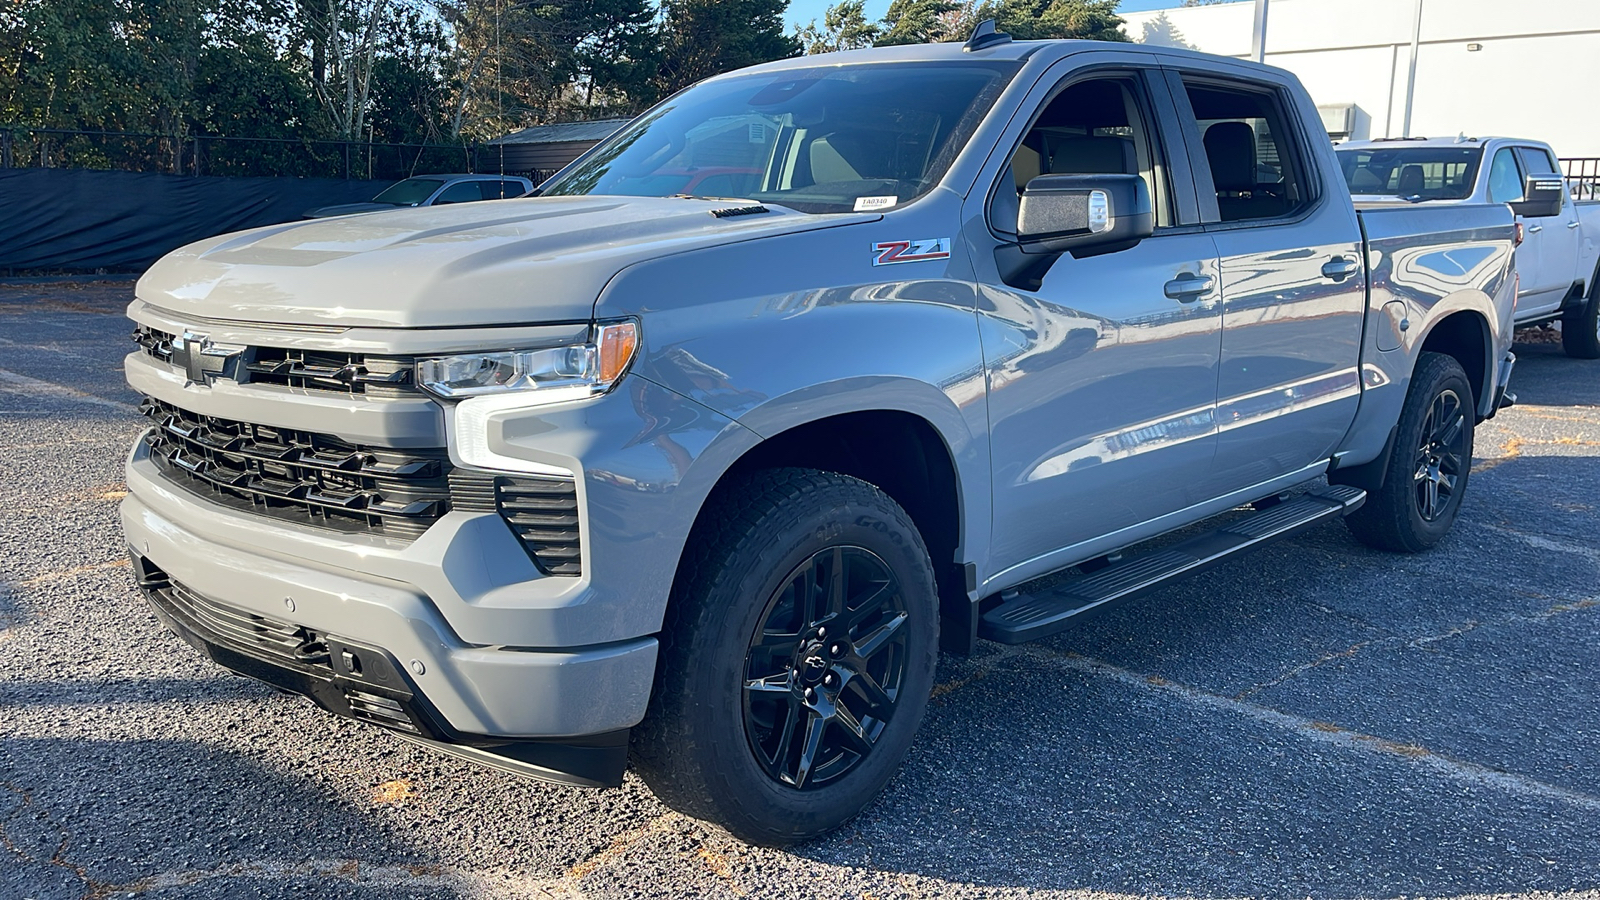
1505, 181
1537, 161
1254, 161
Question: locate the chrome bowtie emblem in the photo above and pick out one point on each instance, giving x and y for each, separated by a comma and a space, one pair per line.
202, 359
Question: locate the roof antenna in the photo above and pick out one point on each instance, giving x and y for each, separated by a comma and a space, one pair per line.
985, 36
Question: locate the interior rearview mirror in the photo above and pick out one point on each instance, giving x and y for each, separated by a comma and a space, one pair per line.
1542, 195
1078, 213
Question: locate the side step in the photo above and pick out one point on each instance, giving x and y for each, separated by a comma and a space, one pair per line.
1032, 616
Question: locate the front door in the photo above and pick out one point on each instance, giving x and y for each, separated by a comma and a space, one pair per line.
1293, 287
1101, 373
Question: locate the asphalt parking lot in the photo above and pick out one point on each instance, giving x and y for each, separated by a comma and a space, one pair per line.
1314, 719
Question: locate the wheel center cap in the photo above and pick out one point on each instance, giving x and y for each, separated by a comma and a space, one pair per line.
813, 668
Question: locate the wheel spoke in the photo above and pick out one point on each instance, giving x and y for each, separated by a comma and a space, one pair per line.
854, 732
837, 596
1449, 434
875, 640
868, 603
871, 691
808, 752
1430, 505
791, 714
772, 684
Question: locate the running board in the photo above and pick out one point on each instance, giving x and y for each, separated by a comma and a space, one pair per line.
1029, 617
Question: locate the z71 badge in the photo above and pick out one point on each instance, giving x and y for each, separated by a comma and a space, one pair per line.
887, 252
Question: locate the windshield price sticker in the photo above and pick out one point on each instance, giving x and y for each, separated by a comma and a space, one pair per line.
868, 204
889, 252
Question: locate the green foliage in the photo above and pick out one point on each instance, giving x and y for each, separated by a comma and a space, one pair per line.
384, 70
1028, 20
844, 27
928, 21
702, 38
920, 22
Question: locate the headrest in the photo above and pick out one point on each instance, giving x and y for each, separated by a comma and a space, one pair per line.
1412, 180
1231, 148
1093, 156
1364, 181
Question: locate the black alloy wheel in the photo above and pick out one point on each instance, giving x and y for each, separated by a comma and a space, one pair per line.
1425, 475
796, 657
825, 668
1442, 456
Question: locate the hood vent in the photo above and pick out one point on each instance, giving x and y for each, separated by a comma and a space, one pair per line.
739, 211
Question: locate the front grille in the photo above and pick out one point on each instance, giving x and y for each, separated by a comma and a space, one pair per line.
310, 370
541, 510
298, 476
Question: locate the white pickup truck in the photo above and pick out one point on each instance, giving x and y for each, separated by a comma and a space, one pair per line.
1557, 260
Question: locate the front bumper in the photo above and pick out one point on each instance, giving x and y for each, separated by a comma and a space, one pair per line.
491, 692
366, 683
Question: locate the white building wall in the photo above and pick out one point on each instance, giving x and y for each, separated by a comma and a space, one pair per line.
1534, 76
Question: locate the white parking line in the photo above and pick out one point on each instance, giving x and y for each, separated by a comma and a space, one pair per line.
1323, 733
42, 388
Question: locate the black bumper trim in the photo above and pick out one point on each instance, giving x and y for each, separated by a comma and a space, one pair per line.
376, 690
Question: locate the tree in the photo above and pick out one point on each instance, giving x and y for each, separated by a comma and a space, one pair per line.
923, 21
1031, 20
919, 22
344, 48
702, 38
844, 27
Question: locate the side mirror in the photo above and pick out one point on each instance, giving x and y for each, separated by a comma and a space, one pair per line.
1542, 196
1078, 213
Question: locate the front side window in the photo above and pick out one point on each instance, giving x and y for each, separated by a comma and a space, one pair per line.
1416, 173
461, 192
1505, 181
409, 192
1251, 153
1092, 127
829, 139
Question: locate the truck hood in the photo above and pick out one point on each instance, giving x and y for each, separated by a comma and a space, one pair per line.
475, 264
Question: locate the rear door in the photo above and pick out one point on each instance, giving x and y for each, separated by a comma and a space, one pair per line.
1101, 371
1293, 284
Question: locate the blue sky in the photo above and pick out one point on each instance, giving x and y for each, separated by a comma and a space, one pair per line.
802, 11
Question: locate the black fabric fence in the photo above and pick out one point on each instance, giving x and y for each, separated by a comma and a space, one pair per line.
84, 220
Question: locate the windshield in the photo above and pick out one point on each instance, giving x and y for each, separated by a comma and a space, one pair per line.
821, 140
409, 192
1423, 173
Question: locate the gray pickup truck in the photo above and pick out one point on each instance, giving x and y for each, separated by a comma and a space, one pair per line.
616, 473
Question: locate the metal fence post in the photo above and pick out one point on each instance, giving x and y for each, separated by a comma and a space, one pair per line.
346, 160
5, 149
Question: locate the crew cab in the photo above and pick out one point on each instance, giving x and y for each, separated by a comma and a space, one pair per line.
706, 483
1558, 261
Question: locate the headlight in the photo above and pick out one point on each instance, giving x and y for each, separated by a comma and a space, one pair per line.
566, 373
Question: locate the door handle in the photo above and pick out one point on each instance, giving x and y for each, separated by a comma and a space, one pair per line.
1573, 224
1536, 229
1189, 288
1340, 268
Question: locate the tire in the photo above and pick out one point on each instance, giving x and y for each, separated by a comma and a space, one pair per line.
744, 677
1433, 446
1580, 329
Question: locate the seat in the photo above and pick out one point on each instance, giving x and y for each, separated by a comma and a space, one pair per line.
828, 163
1363, 181
1231, 151
1093, 156
1412, 180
